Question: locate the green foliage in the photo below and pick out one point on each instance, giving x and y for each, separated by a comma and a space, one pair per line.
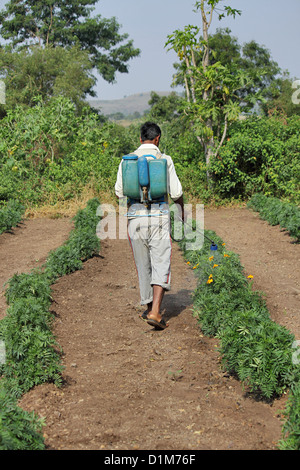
260, 155
46, 72
290, 431
67, 24
281, 97
277, 212
48, 153
32, 355
28, 284
10, 215
19, 430
164, 108
81, 245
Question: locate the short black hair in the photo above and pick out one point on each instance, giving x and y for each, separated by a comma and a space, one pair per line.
149, 131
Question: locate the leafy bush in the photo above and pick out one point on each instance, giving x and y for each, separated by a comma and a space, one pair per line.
19, 430
49, 153
10, 215
290, 430
260, 155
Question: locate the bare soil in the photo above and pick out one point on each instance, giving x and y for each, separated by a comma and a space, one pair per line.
128, 386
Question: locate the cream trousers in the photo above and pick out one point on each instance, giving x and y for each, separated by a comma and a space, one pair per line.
151, 244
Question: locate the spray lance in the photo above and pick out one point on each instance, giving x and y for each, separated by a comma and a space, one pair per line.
213, 246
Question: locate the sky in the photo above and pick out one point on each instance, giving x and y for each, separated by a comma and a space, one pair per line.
273, 24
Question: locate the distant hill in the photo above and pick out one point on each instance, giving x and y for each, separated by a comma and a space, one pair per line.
127, 105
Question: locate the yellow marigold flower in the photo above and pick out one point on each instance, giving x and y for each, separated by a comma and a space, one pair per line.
211, 258
196, 266
210, 281
210, 276
188, 262
226, 256
223, 244
250, 276
215, 265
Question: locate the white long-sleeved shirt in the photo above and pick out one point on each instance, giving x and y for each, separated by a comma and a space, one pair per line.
174, 185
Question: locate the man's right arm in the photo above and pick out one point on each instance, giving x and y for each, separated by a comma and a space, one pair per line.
119, 183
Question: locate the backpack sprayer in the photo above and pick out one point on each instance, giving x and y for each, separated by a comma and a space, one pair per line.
145, 181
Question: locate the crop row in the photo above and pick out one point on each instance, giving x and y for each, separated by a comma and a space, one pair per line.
277, 212
32, 355
11, 215
252, 347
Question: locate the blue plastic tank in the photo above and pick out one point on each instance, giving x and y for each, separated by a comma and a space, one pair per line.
130, 176
143, 170
158, 178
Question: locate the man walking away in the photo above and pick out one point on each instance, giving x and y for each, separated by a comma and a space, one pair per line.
149, 230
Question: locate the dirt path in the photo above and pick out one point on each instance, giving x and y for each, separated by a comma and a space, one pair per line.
27, 247
131, 387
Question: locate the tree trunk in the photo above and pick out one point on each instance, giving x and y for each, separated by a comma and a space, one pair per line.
209, 152
209, 145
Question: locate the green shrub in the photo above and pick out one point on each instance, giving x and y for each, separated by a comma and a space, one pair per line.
261, 154
10, 215
291, 427
49, 153
19, 430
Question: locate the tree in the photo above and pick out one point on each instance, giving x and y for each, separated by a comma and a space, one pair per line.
215, 95
212, 89
67, 24
46, 72
255, 60
164, 108
281, 100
